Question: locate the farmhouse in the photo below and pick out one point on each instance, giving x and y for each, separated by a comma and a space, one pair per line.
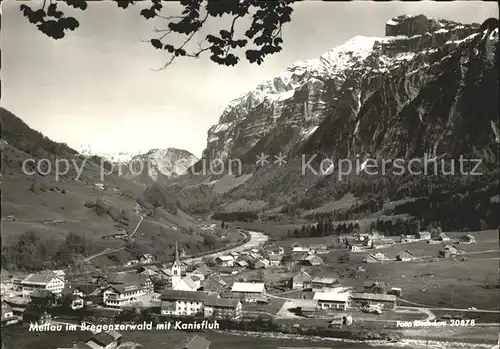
202, 272
146, 271
146, 258
225, 261
331, 300
213, 283
443, 237
127, 279
448, 251
82, 290
8, 316
301, 280
249, 291
275, 260
405, 256
104, 340
424, 235
320, 283
380, 256
300, 248
183, 303
381, 243
354, 248
75, 302
408, 238
318, 249
241, 264
309, 309
371, 259
467, 239
374, 287
311, 260
261, 264
222, 308
387, 301
46, 280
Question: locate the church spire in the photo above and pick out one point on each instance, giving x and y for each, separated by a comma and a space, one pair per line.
176, 253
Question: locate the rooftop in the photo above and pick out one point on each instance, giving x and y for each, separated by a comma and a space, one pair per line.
40, 278
173, 295
331, 296
195, 342
374, 297
222, 302
248, 287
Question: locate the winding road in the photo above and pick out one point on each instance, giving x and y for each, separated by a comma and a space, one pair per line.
256, 239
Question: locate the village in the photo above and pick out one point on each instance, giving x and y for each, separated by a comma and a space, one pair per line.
289, 284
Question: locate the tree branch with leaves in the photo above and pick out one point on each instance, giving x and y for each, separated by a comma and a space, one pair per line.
263, 37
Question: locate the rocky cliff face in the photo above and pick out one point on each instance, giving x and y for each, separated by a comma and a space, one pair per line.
160, 164
338, 101
442, 100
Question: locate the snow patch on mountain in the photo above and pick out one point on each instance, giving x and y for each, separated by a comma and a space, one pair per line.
169, 162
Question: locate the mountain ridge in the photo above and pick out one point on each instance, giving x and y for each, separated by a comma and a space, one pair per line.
296, 98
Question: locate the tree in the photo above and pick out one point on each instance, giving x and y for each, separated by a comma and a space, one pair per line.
264, 30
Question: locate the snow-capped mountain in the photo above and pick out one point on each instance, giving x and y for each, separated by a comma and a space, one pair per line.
151, 165
162, 163
116, 157
288, 109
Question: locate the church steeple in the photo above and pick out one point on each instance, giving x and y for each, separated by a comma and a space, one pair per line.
176, 260
176, 267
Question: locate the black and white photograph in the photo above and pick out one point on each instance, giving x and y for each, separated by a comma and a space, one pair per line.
249, 174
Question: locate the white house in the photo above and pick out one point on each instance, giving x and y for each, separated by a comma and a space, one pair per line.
46, 280
251, 291
424, 235
275, 260
301, 280
146, 258
332, 300
118, 296
301, 249
183, 303
222, 308
354, 248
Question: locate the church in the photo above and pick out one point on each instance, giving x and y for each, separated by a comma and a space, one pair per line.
180, 282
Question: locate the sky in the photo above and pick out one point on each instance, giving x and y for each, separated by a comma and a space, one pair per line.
99, 86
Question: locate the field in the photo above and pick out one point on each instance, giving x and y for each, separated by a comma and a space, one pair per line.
451, 283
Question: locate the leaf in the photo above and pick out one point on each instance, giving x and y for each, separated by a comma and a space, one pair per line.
52, 29
124, 3
78, 4
180, 52
148, 13
69, 23
169, 48
53, 12
156, 43
157, 5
